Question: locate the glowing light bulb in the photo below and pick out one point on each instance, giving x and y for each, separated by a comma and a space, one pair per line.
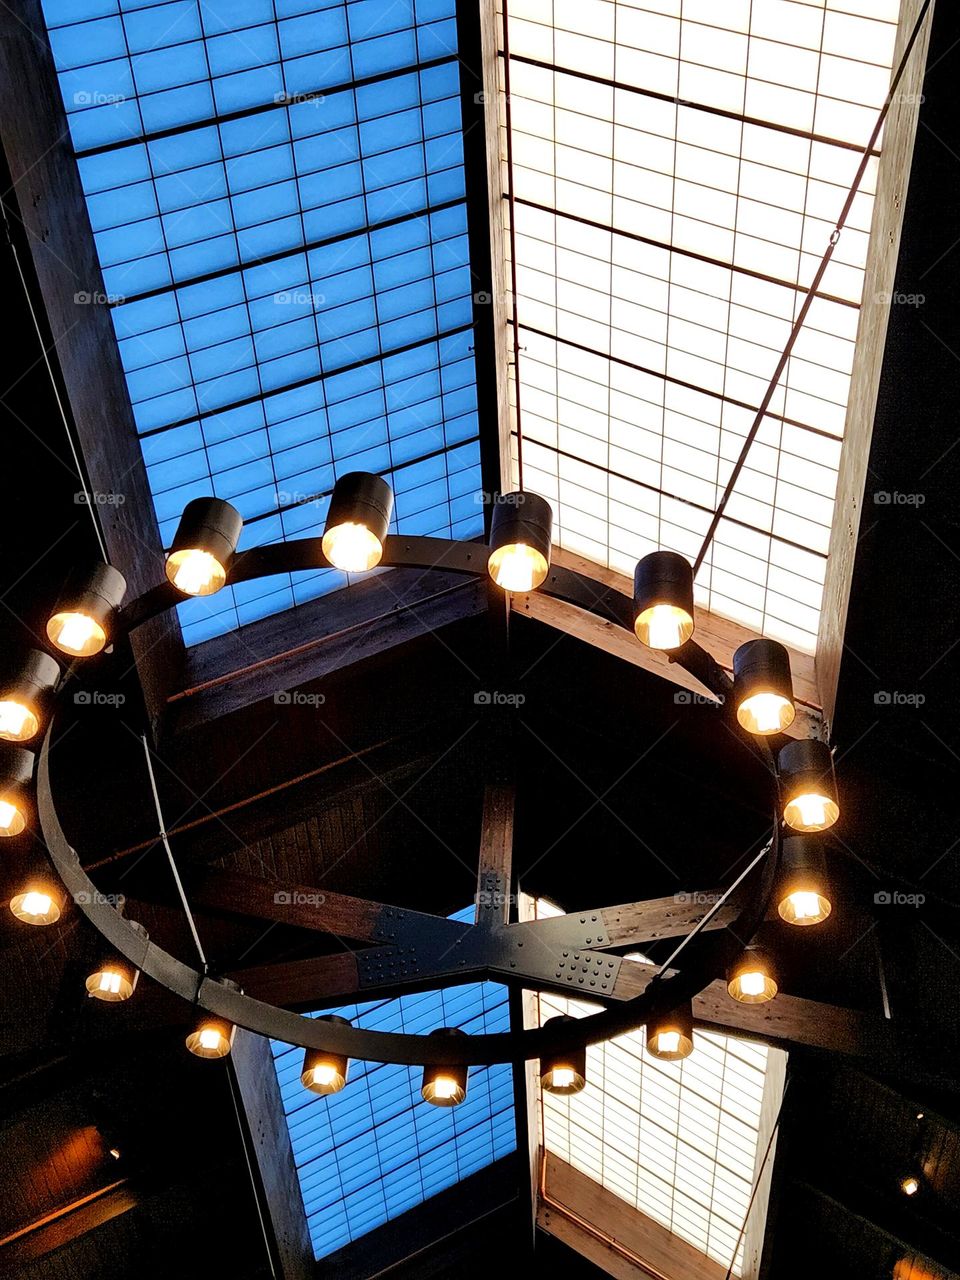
209, 1038
665, 626
36, 904
110, 982
765, 713
811, 812
324, 1075
668, 1041
17, 722
352, 547
517, 567
12, 821
910, 1186
195, 572
562, 1077
76, 633
445, 1087
804, 907
752, 984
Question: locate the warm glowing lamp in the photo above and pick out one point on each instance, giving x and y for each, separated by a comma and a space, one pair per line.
213, 1036
808, 785
16, 770
39, 902
803, 892
564, 1072
910, 1186
663, 600
81, 622
762, 687
325, 1072
115, 978
357, 522
752, 979
204, 546
520, 534
445, 1086
670, 1034
25, 694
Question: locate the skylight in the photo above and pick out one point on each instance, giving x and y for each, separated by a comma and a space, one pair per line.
276, 189
682, 1142
678, 167
374, 1150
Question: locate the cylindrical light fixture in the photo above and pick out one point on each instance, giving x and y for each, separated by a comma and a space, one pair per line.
670, 1034
762, 687
520, 541
39, 901
566, 1072
115, 978
663, 600
803, 890
753, 978
213, 1036
81, 622
445, 1086
16, 770
203, 547
357, 521
325, 1072
808, 785
24, 695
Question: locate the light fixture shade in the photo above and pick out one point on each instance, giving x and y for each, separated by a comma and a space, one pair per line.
520, 534
663, 600
213, 1036
16, 770
564, 1073
357, 522
24, 695
445, 1086
39, 901
670, 1034
763, 687
808, 785
803, 890
325, 1072
752, 979
204, 546
80, 625
115, 978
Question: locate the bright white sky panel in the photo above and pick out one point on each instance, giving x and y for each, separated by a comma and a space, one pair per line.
678, 167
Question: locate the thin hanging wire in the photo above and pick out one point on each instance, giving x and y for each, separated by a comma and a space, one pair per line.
811, 293
89, 504
173, 866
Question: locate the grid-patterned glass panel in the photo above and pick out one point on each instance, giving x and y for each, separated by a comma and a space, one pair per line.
376, 1149
276, 189
678, 168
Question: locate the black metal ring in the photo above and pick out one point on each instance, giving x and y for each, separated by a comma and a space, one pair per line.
708, 954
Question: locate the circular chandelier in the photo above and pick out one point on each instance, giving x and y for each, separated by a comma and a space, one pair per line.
569, 953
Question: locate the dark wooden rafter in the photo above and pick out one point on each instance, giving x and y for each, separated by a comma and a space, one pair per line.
495, 870
51, 223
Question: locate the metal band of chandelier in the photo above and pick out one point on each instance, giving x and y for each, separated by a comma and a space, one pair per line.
563, 954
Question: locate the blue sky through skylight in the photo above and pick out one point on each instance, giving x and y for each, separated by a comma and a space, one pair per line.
276, 189
374, 1150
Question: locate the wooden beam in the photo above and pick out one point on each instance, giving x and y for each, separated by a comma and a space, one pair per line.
56, 229
307, 907
893, 176
634, 923
267, 1142
611, 1233
785, 1020
494, 876
718, 635
272, 657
